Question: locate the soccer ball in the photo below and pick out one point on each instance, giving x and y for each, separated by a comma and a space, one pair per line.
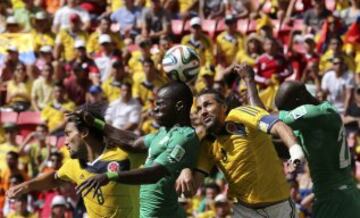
181, 63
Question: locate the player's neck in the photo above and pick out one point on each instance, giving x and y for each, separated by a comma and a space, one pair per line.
95, 150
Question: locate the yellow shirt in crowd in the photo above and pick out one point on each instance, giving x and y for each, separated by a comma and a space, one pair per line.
54, 116
67, 39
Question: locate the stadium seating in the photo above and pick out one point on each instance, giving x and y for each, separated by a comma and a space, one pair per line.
60, 142
209, 26
28, 121
177, 27
8, 117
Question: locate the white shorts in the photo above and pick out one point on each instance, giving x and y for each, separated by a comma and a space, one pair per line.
285, 209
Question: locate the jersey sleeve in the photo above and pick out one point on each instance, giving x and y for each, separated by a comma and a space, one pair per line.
300, 116
66, 171
205, 161
148, 138
181, 152
252, 117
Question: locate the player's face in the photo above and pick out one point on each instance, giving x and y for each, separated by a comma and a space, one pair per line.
164, 107
210, 112
73, 140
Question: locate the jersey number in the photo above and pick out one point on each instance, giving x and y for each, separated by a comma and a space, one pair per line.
344, 157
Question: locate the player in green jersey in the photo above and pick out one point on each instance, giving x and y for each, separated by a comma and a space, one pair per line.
173, 147
321, 132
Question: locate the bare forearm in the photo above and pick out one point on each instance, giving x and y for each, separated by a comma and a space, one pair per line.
142, 176
41, 183
253, 94
285, 133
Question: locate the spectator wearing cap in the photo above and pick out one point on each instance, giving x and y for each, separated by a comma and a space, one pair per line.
58, 207
41, 31
335, 49
12, 25
228, 43
200, 42
205, 79
53, 114
78, 83
83, 60
65, 40
65, 16
211, 9
165, 43
135, 63
19, 89
128, 17
316, 16
25, 14
10, 143
337, 84
145, 88
156, 21
11, 61
271, 67
93, 45
105, 57
45, 56
95, 95
124, 113
111, 86
42, 89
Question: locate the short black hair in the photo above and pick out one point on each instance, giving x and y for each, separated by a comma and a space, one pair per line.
219, 97
182, 92
13, 154
148, 60
117, 65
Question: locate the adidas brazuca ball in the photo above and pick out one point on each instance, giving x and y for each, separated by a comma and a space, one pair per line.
181, 63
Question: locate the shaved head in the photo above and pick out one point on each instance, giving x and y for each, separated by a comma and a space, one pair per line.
292, 94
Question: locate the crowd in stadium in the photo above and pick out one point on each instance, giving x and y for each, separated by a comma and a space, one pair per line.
56, 55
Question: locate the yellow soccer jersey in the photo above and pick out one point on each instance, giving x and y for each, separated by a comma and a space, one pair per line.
247, 157
228, 46
67, 40
93, 44
203, 47
114, 199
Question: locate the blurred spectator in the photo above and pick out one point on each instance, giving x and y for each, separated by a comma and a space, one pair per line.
211, 9
54, 113
229, 42
351, 117
335, 49
10, 143
95, 95
155, 21
199, 41
309, 46
19, 90
21, 209
125, 112
186, 7
205, 79
4, 201
239, 8
42, 34
349, 15
145, 88
25, 13
3, 8
207, 204
10, 63
45, 57
311, 78
52, 163
337, 84
58, 207
105, 57
271, 67
315, 17
37, 147
65, 39
77, 84
12, 25
111, 86
93, 45
137, 57
66, 14
253, 49
42, 88
330, 29
128, 17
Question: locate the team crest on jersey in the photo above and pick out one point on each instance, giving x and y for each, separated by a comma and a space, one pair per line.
235, 128
113, 167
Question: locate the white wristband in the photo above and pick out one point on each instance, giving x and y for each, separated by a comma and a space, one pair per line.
296, 153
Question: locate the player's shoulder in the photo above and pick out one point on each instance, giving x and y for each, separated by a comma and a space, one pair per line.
246, 110
186, 131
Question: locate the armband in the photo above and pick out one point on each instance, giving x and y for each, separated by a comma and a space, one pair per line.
99, 124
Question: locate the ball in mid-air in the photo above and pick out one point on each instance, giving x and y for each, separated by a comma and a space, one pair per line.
181, 63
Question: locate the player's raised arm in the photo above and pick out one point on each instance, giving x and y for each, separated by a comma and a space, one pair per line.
126, 140
43, 182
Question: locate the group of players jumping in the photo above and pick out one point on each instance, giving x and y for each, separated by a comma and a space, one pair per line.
105, 164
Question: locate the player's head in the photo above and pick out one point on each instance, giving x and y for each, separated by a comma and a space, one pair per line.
173, 104
211, 108
293, 94
78, 134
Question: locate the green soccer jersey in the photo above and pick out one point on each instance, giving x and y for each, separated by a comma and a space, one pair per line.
175, 149
322, 136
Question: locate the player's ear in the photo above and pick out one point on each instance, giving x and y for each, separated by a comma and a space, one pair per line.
84, 133
179, 105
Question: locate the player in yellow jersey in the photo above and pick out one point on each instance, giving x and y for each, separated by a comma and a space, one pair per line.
89, 156
240, 145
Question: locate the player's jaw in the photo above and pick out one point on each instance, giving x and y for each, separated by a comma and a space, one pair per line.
73, 141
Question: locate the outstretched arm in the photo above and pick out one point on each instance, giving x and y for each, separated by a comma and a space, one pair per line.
43, 182
140, 176
189, 181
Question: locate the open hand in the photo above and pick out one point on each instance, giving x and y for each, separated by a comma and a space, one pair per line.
244, 71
